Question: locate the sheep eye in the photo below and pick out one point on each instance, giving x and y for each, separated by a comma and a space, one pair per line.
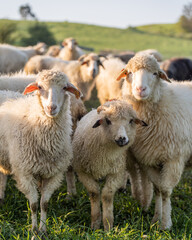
64, 88
131, 121
108, 121
39, 87
155, 74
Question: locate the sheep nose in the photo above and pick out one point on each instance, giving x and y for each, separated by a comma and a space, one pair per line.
94, 73
140, 89
52, 108
122, 141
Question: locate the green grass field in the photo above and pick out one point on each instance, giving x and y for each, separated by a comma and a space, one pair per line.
71, 220
169, 39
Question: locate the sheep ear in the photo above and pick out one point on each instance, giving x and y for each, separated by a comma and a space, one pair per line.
98, 123
122, 74
163, 76
71, 88
31, 88
141, 122
64, 43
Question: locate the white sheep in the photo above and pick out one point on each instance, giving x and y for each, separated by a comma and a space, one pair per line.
107, 87
71, 51
152, 52
100, 142
165, 146
35, 144
81, 73
16, 82
13, 59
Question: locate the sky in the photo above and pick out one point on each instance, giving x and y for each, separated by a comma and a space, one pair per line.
111, 13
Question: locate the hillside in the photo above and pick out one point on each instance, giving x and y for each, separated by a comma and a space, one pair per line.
167, 38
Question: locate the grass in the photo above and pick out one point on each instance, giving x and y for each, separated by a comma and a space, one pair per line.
71, 220
169, 39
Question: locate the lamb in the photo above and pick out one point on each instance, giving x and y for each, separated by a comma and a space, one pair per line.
81, 73
178, 68
152, 52
107, 87
71, 51
99, 145
35, 144
165, 146
13, 59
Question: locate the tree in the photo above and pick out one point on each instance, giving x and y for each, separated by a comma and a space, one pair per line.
25, 12
38, 32
6, 29
186, 18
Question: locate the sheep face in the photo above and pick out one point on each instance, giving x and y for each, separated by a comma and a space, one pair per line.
118, 123
90, 66
51, 88
70, 43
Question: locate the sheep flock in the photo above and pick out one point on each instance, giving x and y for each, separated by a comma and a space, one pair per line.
142, 130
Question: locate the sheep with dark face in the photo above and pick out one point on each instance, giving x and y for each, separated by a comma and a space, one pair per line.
100, 143
178, 68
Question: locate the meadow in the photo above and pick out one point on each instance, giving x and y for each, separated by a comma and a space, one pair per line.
71, 219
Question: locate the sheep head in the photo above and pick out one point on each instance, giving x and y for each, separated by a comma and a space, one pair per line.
90, 64
143, 73
51, 87
70, 43
118, 120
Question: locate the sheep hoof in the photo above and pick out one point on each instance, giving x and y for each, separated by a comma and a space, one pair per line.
122, 190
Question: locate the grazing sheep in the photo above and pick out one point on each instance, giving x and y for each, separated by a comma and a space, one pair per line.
178, 68
99, 145
71, 51
16, 82
107, 87
35, 144
152, 52
13, 59
81, 73
165, 147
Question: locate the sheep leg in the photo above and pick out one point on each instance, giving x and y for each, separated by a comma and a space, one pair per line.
112, 184
134, 177
70, 178
3, 182
147, 188
158, 205
28, 186
94, 192
48, 186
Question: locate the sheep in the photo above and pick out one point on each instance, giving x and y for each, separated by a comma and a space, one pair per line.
5, 95
107, 87
100, 142
124, 56
165, 146
152, 52
53, 51
13, 59
178, 68
81, 73
16, 82
35, 144
71, 51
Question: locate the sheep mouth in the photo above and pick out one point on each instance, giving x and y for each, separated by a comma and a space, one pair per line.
51, 114
121, 143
